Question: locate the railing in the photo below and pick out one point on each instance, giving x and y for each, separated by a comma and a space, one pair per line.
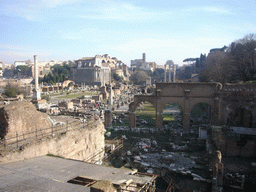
118, 142
92, 156
21, 139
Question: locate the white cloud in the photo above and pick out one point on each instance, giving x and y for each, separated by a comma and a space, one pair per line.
103, 9
30, 9
56, 3
128, 11
218, 10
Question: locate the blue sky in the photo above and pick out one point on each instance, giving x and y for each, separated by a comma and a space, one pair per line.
163, 29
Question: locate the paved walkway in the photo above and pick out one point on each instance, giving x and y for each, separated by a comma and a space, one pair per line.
51, 174
39, 174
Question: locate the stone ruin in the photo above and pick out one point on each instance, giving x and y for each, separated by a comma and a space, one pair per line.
218, 172
21, 117
28, 133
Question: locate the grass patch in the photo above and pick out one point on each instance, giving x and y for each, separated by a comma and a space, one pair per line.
75, 95
167, 117
51, 155
146, 110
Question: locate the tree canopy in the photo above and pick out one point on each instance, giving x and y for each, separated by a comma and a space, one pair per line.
59, 73
138, 77
116, 77
189, 60
235, 64
158, 72
22, 70
11, 90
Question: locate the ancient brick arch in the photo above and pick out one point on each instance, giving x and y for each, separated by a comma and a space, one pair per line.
66, 83
170, 100
142, 98
185, 94
133, 106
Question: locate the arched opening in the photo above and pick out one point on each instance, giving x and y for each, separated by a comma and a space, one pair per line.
200, 119
172, 116
240, 117
200, 114
145, 115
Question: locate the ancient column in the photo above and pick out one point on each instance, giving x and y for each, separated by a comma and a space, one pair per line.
132, 119
186, 116
111, 96
169, 73
108, 119
174, 73
36, 91
159, 120
186, 122
36, 72
109, 76
103, 77
165, 73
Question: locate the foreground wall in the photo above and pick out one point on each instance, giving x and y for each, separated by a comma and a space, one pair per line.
76, 144
21, 117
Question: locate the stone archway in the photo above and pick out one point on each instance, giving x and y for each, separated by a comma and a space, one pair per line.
172, 114
66, 83
133, 106
201, 113
185, 94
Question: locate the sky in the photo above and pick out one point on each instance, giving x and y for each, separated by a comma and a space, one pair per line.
163, 29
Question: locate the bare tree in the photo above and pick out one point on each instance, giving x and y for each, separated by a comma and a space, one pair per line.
218, 67
243, 54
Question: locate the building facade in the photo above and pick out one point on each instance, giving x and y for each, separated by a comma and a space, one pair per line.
142, 64
93, 70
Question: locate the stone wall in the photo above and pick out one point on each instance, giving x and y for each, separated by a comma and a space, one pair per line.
78, 141
91, 75
21, 117
76, 144
228, 145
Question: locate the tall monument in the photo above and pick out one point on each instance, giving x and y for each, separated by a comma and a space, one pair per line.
144, 57
36, 91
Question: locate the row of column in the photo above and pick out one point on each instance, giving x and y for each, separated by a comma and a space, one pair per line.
171, 69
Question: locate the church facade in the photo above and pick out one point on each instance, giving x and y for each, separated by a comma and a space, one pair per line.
93, 70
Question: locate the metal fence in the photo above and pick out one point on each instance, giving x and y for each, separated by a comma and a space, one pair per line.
21, 138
